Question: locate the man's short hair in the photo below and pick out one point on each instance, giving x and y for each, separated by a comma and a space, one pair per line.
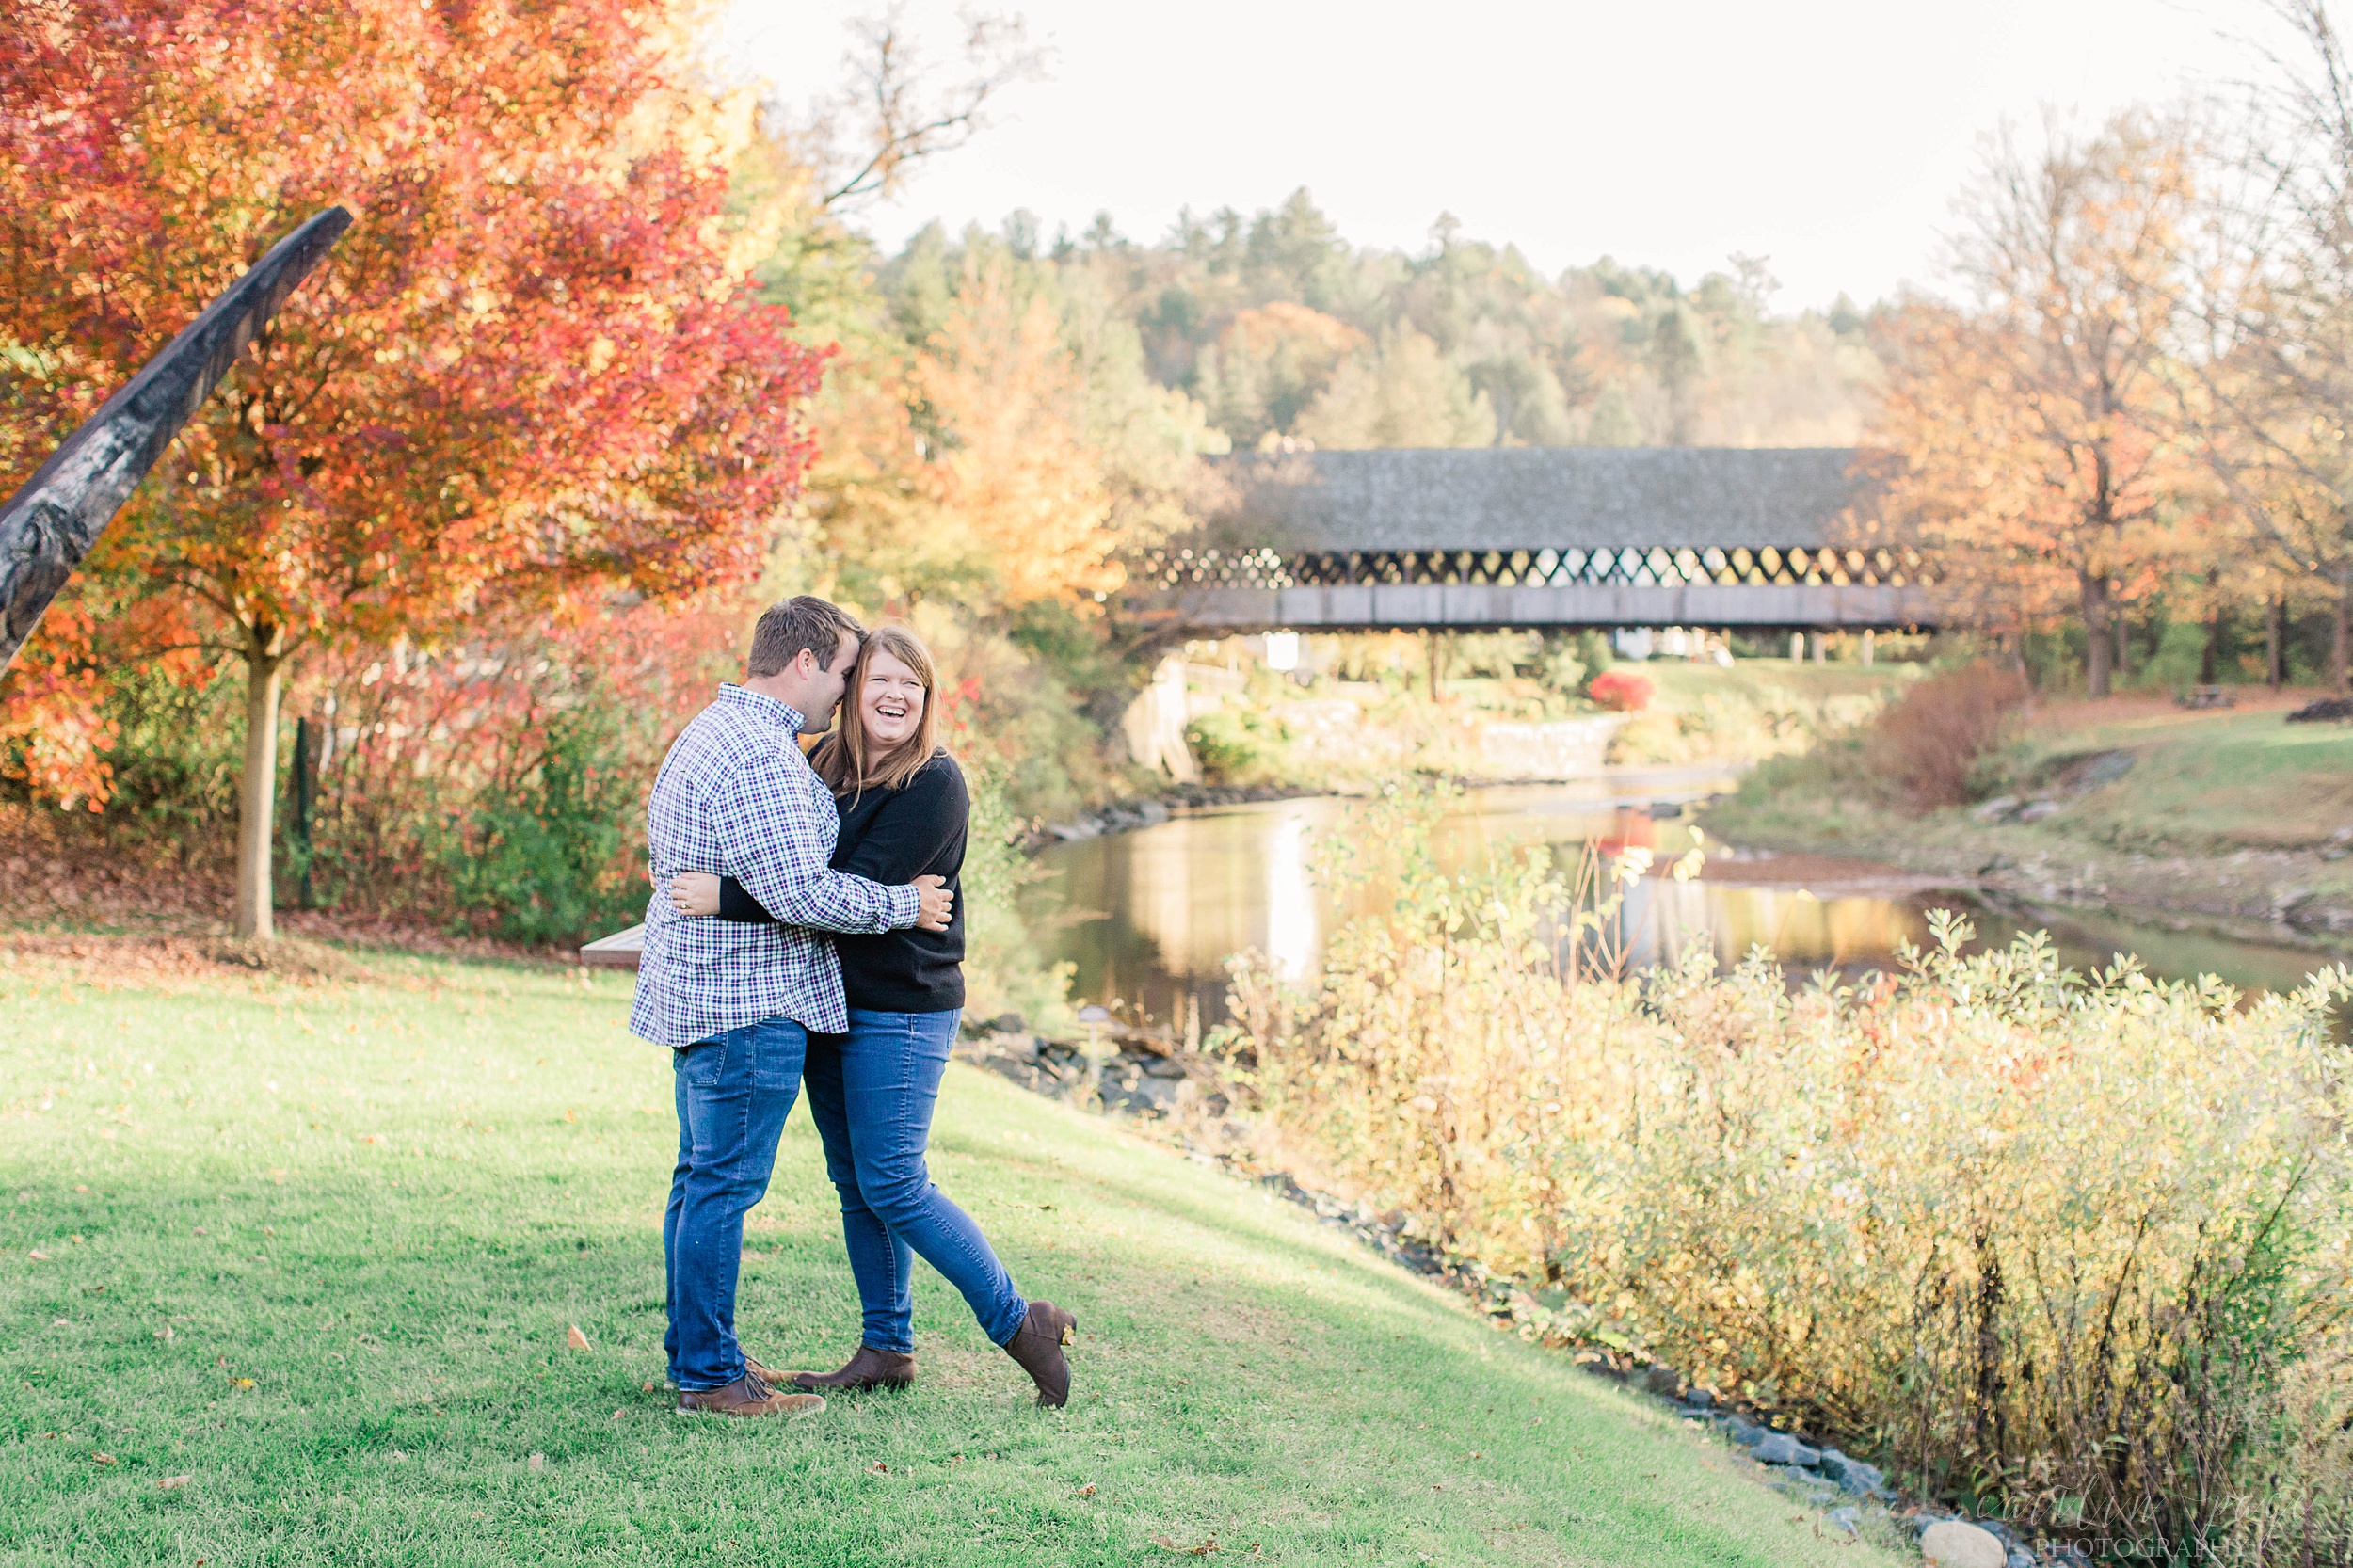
802, 622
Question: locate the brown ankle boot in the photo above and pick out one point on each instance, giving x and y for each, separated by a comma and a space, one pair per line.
1037, 1346
869, 1368
748, 1396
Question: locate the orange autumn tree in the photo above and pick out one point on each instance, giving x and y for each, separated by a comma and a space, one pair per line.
529, 371
1018, 470
2036, 443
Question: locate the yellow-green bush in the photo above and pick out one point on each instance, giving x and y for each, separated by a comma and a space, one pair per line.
2079, 1245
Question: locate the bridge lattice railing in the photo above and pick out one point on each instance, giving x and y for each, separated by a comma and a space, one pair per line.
1652, 566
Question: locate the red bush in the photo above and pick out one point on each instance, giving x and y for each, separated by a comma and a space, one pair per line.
1620, 691
1926, 742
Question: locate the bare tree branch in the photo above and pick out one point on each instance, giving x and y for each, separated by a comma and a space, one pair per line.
900, 107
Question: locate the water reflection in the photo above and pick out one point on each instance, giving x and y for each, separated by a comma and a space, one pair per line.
1664, 920
1150, 918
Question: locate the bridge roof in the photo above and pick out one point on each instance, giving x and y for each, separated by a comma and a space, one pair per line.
1538, 498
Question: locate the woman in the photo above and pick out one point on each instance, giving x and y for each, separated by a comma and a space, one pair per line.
904, 813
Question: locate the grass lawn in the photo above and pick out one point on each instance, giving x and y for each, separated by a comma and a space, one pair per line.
2201, 783
316, 1249
2204, 781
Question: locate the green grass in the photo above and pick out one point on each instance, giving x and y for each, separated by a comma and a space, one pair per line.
2201, 783
2205, 781
365, 1212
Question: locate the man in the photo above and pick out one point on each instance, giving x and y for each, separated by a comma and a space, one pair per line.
735, 1002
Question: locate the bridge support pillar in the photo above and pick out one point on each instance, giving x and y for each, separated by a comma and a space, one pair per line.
1154, 724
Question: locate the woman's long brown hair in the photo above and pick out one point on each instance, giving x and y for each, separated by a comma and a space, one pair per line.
843, 760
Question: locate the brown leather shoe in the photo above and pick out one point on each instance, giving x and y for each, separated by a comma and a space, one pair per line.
748, 1394
1037, 1346
869, 1368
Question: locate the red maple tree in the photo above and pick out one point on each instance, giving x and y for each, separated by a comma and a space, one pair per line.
530, 369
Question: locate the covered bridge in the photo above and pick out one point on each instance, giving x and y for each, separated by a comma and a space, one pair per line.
1532, 537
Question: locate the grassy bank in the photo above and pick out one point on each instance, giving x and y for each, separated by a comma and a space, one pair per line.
2232, 817
316, 1248
2071, 1250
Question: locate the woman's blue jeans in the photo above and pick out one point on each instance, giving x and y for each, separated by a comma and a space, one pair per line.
871, 1093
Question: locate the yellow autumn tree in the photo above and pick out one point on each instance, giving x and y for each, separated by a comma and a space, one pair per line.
2037, 443
1016, 478
1269, 364
1399, 391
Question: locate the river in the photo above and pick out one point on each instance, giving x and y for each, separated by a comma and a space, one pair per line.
1148, 917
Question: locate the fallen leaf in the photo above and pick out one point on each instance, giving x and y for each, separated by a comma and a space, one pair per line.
1088, 1491
1204, 1549
576, 1339
618, 1414
649, 1387
536, 1462
62, 1323
40, 1257
101, 1459
164, 1333
173, 1483
240, 1382
879, 1468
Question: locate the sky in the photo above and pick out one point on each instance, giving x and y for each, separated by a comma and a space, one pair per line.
1829, 136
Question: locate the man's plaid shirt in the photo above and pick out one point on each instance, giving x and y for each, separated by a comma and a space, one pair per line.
736, 798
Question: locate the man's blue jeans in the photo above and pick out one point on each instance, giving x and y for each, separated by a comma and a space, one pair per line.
734, 1091
871, 1093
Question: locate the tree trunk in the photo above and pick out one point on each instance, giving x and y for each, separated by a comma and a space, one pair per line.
2098, 633
2275, 644
1434, 643
306, 790
257, 797
2209, 658
2123, 644
2341, 635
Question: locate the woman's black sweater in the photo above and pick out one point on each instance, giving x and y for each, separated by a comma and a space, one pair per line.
893, 837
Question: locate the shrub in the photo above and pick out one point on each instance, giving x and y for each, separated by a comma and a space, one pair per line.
1002, 971
1929, 741
1620, 691
1595, 652
499, 781
1235, 746
1559, 667
553, 855
2076, 1248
